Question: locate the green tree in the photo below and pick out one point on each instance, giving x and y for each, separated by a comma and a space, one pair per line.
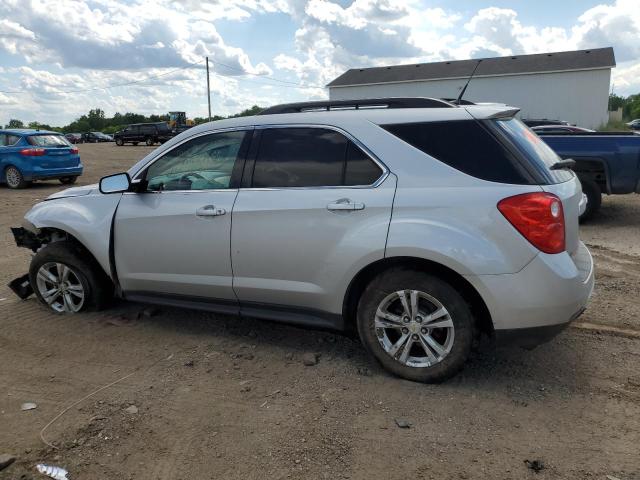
96, 119
248, 112
615, 102
15, 123
41, 126
632, 108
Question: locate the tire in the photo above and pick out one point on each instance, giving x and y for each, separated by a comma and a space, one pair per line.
594, 199
454, 340
68, 180
149, 142
119, 142
14, 179
83, 272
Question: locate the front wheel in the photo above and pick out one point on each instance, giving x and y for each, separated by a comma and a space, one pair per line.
14, 178
416, 325
66, 281
119, 142
149, 142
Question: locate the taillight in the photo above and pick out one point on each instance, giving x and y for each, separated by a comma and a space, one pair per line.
74, 150
538, 217
32, 152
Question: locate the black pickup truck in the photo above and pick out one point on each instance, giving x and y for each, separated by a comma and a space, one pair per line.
606, 162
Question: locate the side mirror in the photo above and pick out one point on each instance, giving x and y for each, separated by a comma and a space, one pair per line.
116, 183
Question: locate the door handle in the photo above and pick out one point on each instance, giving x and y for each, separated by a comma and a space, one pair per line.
210, 211
345, 204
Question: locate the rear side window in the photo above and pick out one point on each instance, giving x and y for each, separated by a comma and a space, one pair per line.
537, 151
48, 141
311, 157
7, 140
360, 169
466, 146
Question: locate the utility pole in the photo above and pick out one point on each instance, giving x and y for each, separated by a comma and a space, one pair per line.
208, 89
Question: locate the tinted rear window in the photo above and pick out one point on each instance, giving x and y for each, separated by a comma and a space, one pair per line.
360, 169
536, 150
48, 141
466, 146
299, 157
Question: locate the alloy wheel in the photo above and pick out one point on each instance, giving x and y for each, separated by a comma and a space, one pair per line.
414, 328
60, 287
13, 177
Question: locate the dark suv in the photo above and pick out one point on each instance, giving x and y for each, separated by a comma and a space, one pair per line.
149, 133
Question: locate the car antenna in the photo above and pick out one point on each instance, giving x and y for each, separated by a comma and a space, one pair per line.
464, 89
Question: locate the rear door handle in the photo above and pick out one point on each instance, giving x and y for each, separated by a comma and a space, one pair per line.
345, 204
210, 211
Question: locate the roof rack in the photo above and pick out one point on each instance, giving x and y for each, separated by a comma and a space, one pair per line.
366, 103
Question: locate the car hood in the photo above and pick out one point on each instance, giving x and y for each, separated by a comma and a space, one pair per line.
75, 192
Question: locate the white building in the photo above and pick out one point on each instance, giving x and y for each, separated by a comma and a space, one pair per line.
572, 86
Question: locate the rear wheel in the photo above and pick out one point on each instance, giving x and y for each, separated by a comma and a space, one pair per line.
66, 281
149, 141
68, 180
14, 178
594, 199
416, 325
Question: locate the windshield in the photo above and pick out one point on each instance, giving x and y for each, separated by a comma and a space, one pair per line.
534, 148
48, 141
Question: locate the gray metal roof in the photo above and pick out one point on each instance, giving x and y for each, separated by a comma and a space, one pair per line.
514, 65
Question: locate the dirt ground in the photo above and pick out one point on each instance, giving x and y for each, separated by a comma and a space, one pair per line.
208, 396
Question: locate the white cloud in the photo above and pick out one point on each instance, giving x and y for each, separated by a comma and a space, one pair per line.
70, 45
115, 35
617, 24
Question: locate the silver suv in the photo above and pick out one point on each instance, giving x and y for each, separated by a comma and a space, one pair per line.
415, 222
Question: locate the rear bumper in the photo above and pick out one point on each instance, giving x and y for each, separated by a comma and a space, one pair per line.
533, 336
533, 305
38, 173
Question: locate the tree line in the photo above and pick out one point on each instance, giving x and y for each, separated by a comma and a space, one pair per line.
630, 105
97, 121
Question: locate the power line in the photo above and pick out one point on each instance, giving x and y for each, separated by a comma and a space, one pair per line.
283, 83
255, 80
133, 82
294, 84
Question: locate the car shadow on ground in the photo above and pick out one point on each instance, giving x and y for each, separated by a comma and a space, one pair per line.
557, 366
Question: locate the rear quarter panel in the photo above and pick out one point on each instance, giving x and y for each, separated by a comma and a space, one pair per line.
459, 227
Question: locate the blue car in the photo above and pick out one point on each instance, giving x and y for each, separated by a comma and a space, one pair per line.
27, 155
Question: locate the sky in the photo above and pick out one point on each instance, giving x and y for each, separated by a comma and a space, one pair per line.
60, 58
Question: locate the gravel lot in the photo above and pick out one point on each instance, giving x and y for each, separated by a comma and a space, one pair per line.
228, 397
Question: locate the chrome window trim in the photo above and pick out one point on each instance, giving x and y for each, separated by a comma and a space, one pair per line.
212, 190
358, 143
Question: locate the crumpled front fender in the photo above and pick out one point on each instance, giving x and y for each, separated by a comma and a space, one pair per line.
87, 218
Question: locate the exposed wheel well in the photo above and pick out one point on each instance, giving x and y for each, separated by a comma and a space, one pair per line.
592, 169
362, 279
48, 235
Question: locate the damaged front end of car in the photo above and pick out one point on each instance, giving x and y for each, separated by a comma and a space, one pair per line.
25, 238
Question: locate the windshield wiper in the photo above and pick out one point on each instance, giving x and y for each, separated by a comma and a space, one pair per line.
562, 164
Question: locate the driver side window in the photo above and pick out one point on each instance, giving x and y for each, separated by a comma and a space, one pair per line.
204, 163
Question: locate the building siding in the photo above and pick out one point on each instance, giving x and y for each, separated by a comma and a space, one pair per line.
580, 97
